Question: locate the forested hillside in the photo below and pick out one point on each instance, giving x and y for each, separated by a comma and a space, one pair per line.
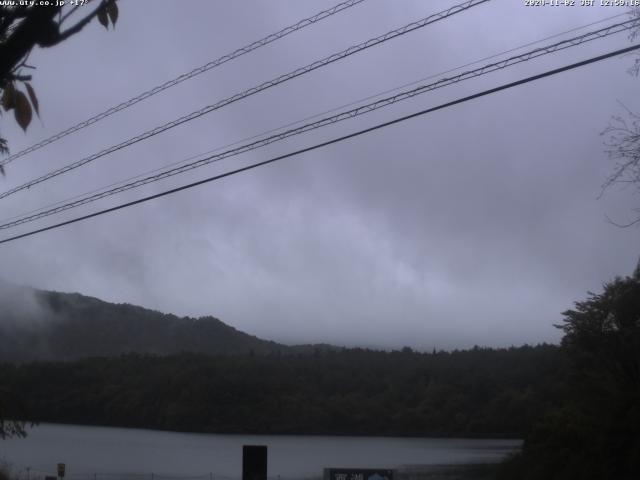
576, 405
478, 392
42, 325
72, 358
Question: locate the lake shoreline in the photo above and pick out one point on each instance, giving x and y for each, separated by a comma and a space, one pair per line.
105, 453
497, 437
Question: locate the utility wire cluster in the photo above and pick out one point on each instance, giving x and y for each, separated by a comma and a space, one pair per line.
452, 103
186, 76
370, 107
317, 115
252, 91
328, 120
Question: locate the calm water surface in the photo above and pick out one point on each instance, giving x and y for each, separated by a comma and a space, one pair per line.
115, 451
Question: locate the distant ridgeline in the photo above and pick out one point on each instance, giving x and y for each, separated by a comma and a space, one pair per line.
576, 405
41, 325
160, 371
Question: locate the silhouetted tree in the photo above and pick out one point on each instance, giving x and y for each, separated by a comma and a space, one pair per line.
594, 430
22, 27
602, 333
25, 26
622, 138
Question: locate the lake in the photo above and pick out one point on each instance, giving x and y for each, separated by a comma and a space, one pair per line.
104, 453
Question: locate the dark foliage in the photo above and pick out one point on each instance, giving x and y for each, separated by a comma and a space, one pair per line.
479, 392
594, 430
24, 26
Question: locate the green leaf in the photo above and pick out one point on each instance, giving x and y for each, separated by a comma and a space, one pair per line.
112, 11
32, 97
103, 18
22, 110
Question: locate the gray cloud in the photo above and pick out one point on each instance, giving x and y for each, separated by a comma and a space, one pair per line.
477, 224
20, 307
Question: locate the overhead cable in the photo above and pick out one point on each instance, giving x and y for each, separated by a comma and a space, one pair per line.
186, 76
355, 112
252, 91
330, 142
316, 115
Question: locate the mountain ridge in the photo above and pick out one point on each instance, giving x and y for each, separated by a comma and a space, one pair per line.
40, 325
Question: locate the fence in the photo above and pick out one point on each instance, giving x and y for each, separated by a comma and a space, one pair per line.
35, 474
426, 472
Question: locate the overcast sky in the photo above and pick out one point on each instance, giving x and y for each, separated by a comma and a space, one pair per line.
478, 224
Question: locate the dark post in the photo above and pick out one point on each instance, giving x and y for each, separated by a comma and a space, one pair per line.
61, 470
254, 462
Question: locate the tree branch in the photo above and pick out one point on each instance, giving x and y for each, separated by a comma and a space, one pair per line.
80, 25
68, 14
71, 11
35, 27
623, 225
22, 78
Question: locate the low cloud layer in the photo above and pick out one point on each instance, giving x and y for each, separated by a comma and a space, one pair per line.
20, 307
478, 224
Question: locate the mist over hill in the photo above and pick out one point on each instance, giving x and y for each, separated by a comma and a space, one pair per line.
75, 359
46, 325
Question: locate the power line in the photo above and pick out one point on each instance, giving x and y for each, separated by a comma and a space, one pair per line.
297, 122
385, 102
331, 142
252, 91
186, 76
